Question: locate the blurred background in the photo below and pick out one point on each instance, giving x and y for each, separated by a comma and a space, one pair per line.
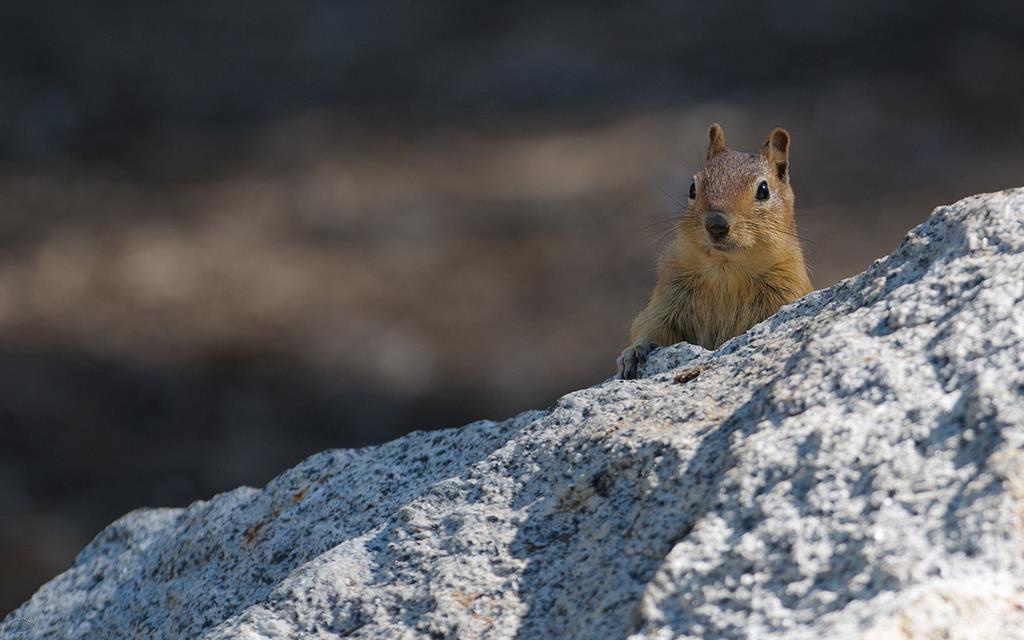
235, 234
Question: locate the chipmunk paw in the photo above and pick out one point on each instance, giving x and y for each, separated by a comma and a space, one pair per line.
633, 358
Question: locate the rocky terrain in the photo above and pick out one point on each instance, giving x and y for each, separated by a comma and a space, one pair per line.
852, 467
209, 213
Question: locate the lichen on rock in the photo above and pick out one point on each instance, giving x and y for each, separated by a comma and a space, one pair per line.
853, 467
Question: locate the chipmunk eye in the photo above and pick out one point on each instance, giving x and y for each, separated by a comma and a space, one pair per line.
693, 190
762, 190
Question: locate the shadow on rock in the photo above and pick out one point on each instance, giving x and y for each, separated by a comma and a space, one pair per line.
591, 548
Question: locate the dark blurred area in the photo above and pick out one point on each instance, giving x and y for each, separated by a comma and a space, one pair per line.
235, 234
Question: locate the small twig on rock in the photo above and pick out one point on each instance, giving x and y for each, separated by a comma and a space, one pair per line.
690, 373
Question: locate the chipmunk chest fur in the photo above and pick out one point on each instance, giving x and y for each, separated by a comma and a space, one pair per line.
712, 302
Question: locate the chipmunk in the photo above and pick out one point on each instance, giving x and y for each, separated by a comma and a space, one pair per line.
735, 259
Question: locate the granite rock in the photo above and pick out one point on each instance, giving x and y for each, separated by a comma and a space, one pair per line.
853, 467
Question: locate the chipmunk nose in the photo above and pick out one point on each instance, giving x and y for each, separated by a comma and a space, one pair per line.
717, 224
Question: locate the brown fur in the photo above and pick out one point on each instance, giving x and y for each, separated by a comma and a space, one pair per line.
706, 295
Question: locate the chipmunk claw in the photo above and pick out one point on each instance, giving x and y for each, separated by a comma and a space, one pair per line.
633, 359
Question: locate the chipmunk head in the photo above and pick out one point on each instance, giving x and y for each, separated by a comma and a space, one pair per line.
740, 202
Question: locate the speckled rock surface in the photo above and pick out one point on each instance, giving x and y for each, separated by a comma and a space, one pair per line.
851, 468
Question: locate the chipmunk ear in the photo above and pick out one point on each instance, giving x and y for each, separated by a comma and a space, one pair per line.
716, 140
776, 150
